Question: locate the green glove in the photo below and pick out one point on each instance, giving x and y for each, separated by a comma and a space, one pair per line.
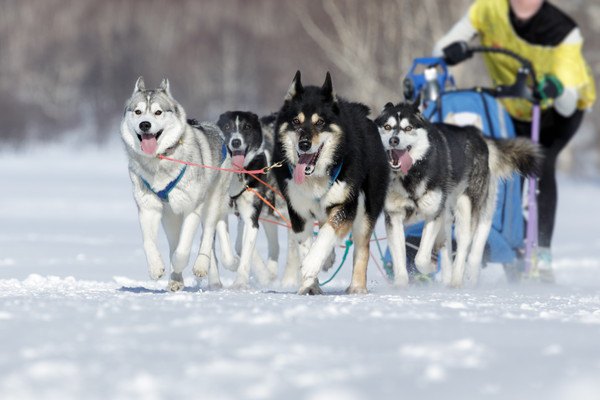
549, 87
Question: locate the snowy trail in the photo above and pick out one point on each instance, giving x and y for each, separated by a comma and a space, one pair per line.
79, 318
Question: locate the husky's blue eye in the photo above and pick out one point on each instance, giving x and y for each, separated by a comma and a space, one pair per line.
387, 127
408, 128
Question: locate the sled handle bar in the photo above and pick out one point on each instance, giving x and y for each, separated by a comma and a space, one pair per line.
519, 88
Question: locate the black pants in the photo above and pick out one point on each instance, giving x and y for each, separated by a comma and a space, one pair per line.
555, 133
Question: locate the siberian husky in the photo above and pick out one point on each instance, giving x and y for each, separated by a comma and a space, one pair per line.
440, 172
250, 150
178, 196
335, 171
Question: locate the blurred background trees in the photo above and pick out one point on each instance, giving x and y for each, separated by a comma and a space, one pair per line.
67, 66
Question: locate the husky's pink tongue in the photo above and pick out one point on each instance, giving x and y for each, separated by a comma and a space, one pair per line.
406, 162
149, 144
237, 160
299, 170
299, 173
401, 159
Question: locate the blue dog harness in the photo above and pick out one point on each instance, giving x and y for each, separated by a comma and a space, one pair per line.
223, 153
164, 194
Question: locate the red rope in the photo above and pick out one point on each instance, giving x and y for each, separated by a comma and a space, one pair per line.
270, 221
270, 205
237, 171
267, 185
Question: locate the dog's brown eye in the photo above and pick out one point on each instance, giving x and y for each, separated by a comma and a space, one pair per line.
226, 127
158, 112
387, 127
246, 127
408, 129
296, 121
320, 122
138, 112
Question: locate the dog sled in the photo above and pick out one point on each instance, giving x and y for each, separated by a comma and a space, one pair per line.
513, 238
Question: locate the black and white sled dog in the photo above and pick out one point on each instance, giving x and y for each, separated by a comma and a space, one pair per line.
177, 196
335, 172
250, 149
440, 172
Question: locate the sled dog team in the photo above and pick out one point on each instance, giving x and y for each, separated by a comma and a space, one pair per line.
335, 166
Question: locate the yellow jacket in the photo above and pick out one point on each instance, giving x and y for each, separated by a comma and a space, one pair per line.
491, 19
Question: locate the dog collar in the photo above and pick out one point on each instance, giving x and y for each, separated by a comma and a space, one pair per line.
164, 194
172, 148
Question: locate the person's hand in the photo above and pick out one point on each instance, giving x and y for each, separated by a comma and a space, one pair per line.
549, 87
457, 52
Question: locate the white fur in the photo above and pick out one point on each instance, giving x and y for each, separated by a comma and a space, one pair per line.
194, 200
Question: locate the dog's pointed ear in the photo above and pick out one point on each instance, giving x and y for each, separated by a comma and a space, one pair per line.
165, 87
327, 89
139, 85
328, 94
296, 88
417, 103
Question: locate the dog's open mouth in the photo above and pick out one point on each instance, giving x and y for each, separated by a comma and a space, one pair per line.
306, 165
238, 157
400, 159
149, 141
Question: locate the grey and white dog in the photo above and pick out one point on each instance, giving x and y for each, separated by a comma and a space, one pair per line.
440, 173
178, 196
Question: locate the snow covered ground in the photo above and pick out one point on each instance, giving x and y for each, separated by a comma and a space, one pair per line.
79, 318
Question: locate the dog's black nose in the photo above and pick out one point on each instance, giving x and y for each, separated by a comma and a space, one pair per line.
394, 141
145, 126
304, 145
236, 143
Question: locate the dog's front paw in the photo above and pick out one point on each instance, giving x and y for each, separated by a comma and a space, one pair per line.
201, 266
231, 264
310, 287
425, 265
401, 281
273, 267
456, 282
446, 278
215, 285
240, 284
176, 282
157, 271
356, 290
290, 281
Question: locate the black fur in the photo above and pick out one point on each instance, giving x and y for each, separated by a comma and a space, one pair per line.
455, 154
350, 145
250, 129
364, 167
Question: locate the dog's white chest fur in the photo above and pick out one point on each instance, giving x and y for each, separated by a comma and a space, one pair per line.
315, 195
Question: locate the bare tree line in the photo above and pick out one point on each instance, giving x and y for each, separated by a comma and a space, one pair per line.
68, 65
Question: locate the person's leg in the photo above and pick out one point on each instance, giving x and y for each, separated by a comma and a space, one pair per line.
554, 139
556, 131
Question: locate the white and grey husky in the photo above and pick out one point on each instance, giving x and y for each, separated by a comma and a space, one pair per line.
178, 196
440, 172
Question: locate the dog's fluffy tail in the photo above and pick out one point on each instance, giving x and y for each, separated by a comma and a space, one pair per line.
514, 155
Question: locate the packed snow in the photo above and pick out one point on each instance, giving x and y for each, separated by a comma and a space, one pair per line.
80, 319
